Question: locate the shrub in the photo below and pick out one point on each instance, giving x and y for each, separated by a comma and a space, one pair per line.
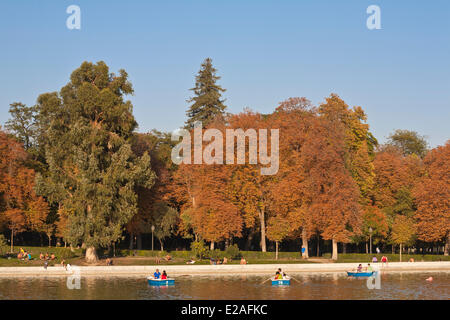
199, 249
3, 245
233, 252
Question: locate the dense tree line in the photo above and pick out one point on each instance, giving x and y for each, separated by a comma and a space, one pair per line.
73, 167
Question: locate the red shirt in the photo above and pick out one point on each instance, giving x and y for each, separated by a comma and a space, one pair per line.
163, 277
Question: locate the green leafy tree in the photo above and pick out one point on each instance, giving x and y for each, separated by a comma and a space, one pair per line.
409, 142
207, 102
165, 220
93, 172
22, 123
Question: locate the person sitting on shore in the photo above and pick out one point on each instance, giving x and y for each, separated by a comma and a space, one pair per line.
168, 257
52, 256
41, 256
22, 251
28, 256
109, 262
411, 260
374, 259
225, 260
243, 261
46, 256
164, 275
384, 260
63, 263
157, 274
190, 261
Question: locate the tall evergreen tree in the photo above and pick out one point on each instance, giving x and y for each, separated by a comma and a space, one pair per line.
93, 172
207, 102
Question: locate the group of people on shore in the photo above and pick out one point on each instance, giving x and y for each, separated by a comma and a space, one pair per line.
384, 260
24, 255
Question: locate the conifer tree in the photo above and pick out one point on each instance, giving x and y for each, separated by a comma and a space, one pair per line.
207, 102
93, 172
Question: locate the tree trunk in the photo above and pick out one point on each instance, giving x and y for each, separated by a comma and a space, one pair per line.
211, 247
139, 241
276, 250
334, 254
305, 255
318, 246
91, 255
162, 245
41, 238
131, 241
263, 230
401, 247
12, 241
447, 246
367, 248
393, 249
49, 240
248, 244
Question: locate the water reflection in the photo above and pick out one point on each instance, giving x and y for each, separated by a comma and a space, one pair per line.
305, 286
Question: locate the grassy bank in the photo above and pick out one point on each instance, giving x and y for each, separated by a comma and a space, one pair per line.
148, 257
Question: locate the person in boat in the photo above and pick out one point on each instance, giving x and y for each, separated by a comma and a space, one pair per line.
369, 268
359, 269
278, 276
164, 275
157, 274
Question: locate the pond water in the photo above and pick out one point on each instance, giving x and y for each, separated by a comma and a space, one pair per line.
404, 285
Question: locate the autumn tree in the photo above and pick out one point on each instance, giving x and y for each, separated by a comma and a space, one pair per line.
93, 172
432, 197
403, 232
207, 103
17, 196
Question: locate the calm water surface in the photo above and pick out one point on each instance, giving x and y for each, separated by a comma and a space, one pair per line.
308, 286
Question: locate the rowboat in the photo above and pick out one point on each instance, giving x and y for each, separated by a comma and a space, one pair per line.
281, 282
160, 282
360, 274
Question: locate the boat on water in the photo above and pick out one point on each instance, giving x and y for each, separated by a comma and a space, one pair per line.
281, 282
360, 274
160, 282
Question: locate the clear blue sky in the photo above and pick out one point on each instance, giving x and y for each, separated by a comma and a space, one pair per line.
265, 51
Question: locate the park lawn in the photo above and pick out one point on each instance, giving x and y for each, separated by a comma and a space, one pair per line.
363, 257
148, 257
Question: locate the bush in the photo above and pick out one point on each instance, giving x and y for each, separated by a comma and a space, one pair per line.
232, 252
3, 245
199, 249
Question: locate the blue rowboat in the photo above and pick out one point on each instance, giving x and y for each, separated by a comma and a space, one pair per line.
160, 282
360, 274
281, 282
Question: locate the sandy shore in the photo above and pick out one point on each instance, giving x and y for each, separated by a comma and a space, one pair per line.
257, 269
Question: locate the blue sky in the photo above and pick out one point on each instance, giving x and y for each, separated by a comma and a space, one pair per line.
265, 51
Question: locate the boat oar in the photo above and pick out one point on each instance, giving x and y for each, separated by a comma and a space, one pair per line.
296, 280
266, 280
